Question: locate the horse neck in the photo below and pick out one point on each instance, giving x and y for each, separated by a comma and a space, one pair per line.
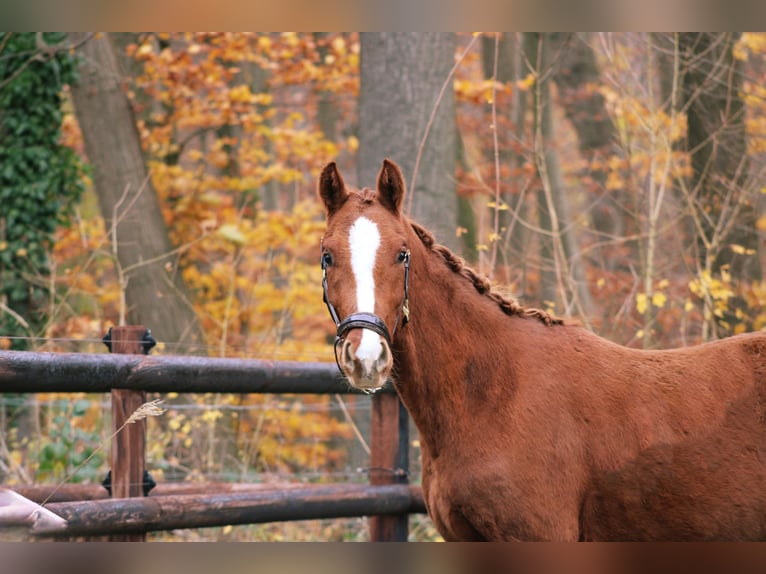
450, 325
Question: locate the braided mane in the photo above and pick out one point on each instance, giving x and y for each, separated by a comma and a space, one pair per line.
508, 305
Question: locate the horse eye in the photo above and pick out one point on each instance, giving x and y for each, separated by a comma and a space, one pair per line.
403, 254
327, 259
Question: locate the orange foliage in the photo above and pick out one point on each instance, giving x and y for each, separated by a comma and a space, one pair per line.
228, 123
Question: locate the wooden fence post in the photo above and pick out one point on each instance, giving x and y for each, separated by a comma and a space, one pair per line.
128, 455
389, 461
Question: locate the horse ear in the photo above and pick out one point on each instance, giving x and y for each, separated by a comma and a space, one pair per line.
391, 187
332, 189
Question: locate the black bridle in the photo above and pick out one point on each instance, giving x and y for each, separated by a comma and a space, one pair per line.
367, 320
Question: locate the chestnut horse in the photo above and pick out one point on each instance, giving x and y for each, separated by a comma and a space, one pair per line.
532, 429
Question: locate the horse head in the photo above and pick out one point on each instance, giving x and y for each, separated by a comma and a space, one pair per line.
365, 262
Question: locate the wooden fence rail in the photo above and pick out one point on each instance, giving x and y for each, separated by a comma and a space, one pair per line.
30, 372
128, 377
126, 516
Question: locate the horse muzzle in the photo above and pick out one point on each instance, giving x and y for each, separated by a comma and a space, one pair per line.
366, 365
363, 351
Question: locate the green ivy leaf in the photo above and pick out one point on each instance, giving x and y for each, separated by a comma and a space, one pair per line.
40, 180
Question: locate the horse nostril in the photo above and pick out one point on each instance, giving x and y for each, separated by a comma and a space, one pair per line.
348, 354
383, 360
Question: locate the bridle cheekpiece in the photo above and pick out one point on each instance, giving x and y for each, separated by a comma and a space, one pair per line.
367, 320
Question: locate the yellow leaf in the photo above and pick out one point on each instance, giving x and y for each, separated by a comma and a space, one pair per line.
145, 50
499, 206
658, 300
240, 93
210, 416
761, 223
339, 45
741, 250
231, 232
614, 181
527, 82
641, 303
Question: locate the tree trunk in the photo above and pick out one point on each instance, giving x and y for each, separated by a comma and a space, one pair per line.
722, 200
577, 78
466, 219
712, 87
258, 80
507, 49
562, 246
143, 104
327, 111
401, 76
154, 292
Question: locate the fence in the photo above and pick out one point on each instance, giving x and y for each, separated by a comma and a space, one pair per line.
128, 373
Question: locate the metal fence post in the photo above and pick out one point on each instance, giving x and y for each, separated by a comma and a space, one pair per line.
128, 457
389, 461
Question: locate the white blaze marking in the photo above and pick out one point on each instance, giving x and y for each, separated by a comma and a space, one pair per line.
364, 240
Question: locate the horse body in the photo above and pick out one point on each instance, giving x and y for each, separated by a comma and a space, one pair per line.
707, 487
517, 418
533, 430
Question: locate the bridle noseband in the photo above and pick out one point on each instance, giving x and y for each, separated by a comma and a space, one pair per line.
367, 320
